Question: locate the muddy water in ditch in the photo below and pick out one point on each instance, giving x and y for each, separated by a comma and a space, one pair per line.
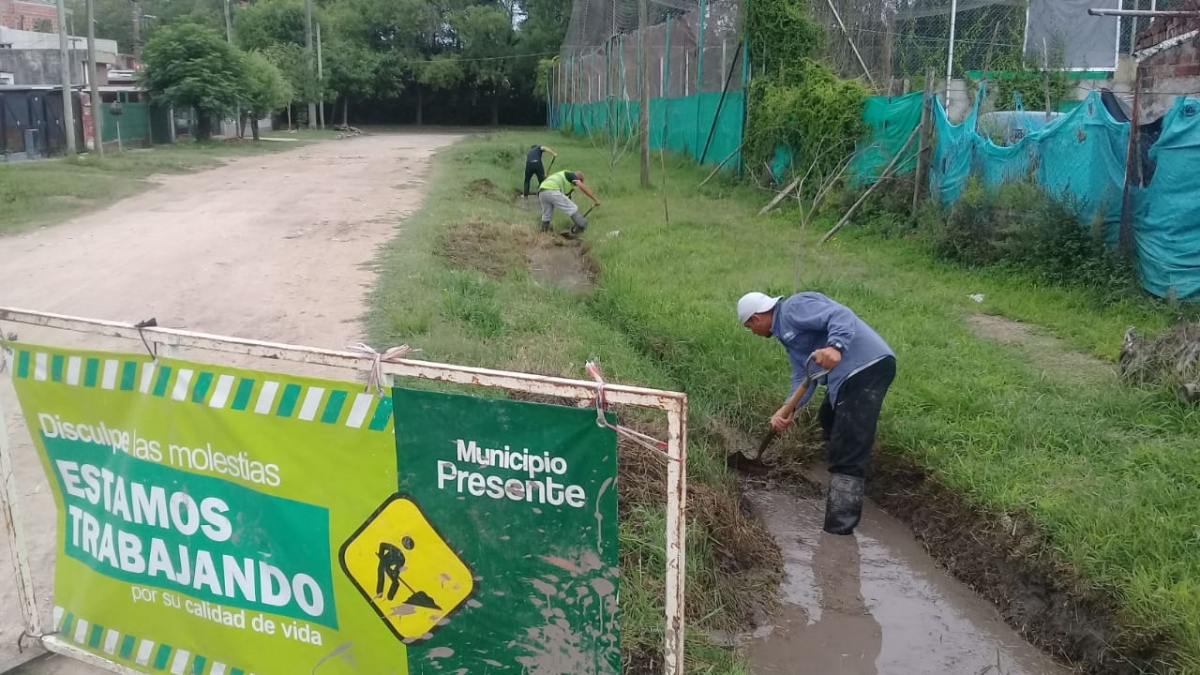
875, 603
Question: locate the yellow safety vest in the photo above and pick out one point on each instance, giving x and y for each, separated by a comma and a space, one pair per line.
558, 182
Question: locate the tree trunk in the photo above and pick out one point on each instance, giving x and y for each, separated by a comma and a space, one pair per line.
420, 104
204, 127
289, 117
254, 126
346, 111
496, 110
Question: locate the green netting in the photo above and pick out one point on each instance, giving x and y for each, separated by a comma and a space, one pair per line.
891, 120
1080, 157
682, 124
1166, 227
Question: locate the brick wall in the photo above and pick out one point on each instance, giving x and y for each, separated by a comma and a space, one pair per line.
1163, 29
23, 15
1167, 75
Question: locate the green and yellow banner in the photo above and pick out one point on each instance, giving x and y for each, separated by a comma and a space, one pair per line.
218, 521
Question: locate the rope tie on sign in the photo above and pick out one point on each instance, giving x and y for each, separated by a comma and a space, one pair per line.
638, 437
148, 323
375, 374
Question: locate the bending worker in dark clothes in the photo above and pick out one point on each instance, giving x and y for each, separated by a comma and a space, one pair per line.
533, 165
862, 367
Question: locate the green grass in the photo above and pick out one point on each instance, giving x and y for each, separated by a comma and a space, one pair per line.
48, 191
1108, 473
433, 295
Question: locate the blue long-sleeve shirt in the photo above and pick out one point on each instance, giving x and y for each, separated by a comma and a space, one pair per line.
809, 321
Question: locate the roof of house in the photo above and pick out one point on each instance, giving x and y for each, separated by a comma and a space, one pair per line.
1166, 28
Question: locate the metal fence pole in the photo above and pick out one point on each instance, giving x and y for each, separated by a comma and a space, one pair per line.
950, 54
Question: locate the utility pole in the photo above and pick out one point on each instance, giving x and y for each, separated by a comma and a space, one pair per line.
643, 84
136, 7
97, 110
308, 50
64, 72
321, 79
237, 109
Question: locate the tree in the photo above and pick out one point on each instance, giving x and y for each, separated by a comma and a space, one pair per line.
292, 62
487, 36
189, 66
352, 70
266, 88
270, 22
441, 73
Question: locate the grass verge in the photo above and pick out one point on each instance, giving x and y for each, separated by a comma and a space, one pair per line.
1104, 474
48, 191
470, 282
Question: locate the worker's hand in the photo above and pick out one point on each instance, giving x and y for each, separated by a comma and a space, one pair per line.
827, 358
596, 202
782, 419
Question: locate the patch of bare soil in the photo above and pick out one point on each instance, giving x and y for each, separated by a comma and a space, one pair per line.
491, 248
1007, 562
1044, 351
784, 462
497, 248
486, 188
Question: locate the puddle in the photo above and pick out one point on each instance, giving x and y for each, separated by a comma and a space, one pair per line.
875, 603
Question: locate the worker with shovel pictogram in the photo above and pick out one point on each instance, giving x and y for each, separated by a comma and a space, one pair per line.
391, 564
398, 546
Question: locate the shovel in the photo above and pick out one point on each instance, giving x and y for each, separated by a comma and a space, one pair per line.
552, 158
740, 458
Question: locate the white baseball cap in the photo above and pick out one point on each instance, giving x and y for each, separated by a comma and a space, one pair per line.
755, 303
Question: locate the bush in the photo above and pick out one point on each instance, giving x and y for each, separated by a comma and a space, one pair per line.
1022, 226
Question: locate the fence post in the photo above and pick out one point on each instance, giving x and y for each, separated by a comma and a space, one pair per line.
925, 144
950, 51
700, 50
1133, 159
666, 85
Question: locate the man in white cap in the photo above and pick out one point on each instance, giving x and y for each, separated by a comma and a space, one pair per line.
862, 367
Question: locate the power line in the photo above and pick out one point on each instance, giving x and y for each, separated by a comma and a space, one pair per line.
481, 58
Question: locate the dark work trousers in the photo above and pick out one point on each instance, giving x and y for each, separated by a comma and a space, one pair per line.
849, 427
533, 169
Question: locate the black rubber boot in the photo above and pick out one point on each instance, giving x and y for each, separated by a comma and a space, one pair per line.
545, 226
843, 505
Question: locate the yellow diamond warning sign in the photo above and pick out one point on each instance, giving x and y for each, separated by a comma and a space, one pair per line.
404, 568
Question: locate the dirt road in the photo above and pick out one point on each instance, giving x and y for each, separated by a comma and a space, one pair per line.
275, 247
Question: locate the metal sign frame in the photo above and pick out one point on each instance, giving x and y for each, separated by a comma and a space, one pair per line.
168, 341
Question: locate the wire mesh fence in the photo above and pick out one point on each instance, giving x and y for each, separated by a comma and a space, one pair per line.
695, 47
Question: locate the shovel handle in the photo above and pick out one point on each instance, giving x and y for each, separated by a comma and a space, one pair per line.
794, 399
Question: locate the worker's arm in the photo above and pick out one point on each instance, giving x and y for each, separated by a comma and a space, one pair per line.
579, 184
816, 312
783, 417
546, 148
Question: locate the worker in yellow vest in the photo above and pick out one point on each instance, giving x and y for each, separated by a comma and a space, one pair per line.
555, 193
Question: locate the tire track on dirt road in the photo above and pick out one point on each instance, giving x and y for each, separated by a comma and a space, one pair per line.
274, 247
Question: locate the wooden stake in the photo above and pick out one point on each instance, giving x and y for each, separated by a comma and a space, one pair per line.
925, 145
723, 162
882, 178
